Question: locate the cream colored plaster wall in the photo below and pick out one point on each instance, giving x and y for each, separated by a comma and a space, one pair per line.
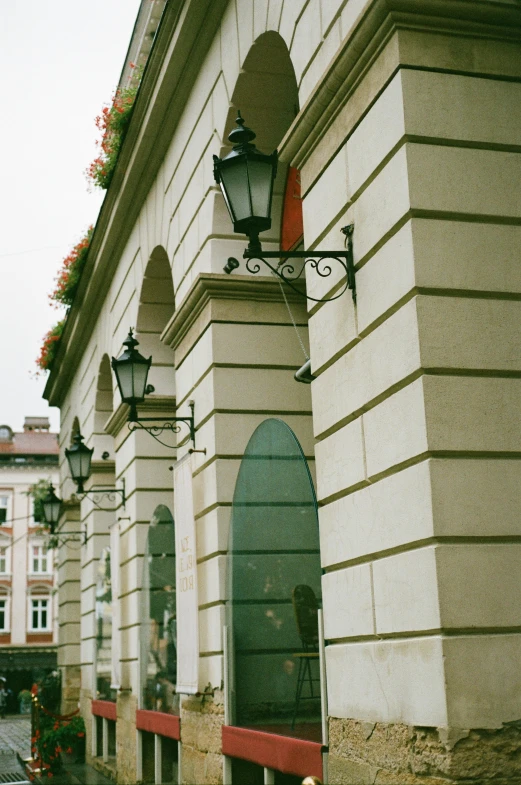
425, 164
185, 215
415, 405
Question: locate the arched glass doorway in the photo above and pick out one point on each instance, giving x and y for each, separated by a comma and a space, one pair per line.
103, 665
274, 588
158, 616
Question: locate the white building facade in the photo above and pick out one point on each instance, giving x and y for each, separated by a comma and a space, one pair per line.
402, 119
28, 602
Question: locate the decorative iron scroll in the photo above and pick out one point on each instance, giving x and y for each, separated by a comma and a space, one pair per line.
97, 495
169, 424
322, 262
156, 430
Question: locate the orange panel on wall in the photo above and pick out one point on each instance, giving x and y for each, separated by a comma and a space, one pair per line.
292, 226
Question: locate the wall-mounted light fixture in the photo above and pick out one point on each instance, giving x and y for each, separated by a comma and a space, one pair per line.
246, 178
79, 458
52, 506
131, 370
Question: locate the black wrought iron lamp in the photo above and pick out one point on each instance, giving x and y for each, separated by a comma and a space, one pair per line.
52, 507
131, 370
79, 458
246, 177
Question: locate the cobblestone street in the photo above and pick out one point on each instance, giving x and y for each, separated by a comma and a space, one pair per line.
15, 737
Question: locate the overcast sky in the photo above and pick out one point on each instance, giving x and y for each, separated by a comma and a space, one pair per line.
60, 62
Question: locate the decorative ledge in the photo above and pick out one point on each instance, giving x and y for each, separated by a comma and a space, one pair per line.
281, 753
210, 286
106, 709
158, 722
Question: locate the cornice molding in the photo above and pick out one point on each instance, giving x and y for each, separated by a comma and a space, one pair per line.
208, 286
498, 19
183, 38
117, 420
103, 467
160, 405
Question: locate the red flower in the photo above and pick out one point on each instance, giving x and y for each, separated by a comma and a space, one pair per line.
81, 734
68, 750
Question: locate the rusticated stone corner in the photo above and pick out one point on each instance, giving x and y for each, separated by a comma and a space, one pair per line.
201, 722
362, 753
125, 738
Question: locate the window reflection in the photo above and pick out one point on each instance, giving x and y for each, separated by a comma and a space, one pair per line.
158, 616
274, 587
104, 629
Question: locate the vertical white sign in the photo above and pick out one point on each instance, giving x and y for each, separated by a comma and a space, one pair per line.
186, 580
116, 607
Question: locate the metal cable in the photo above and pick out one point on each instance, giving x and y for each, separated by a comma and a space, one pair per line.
292, 319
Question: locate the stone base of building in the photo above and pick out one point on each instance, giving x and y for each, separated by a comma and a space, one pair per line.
201, 722
368, 753
126, 738
71, 685
85, 711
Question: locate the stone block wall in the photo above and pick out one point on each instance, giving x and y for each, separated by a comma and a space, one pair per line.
201, 722
403, 119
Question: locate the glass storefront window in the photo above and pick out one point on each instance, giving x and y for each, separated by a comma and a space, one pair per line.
104, 629
274, 587
158, 617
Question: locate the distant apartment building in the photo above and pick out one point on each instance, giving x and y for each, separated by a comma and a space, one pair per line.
27, 605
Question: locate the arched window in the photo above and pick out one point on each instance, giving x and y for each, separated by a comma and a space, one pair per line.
103, 668
158, 617
274, 587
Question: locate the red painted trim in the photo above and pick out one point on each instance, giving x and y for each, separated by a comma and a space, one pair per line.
160, 723
38, 637
281, 753
105, 709
292, 225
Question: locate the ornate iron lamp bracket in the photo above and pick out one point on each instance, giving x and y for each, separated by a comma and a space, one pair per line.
316, 259
169, 425
97, 495
57, 539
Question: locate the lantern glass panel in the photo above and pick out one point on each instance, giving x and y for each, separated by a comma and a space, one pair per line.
140, 380
125, 376
79, 463
85, 459
51, 510
261, 184
235, 184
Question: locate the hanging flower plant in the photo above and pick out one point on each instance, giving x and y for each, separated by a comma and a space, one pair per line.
69, 276
49, 348
112, 124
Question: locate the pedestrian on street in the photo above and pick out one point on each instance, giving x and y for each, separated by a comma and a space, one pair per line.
3, 698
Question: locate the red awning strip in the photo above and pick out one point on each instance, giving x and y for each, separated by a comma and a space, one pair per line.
281, 753
105, 709
158, 722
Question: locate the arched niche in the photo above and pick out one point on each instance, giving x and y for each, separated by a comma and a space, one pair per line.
156, 306
266, 93
158, 658
103, 616
273, 553
103, 408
